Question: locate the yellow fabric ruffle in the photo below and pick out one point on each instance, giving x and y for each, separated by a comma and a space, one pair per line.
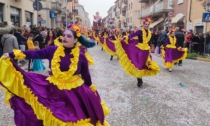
126, 39
19, 54
136, 38
15, 83
89, 58
106, 110
126, 63
171, 46
93, 87
109, 51
7, 95
74, 82
143, 46
170, 65
99, 123
100, 43
56, 63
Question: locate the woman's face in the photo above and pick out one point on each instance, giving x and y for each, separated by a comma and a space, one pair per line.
50, 33
146, 25
68, 39
172, 33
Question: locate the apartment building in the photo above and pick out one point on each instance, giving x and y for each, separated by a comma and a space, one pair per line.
17, 12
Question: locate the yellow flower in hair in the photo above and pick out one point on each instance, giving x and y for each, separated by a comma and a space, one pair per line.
78, 33
77, 29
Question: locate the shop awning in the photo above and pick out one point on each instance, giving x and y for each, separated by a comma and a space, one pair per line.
177, 18
155, 23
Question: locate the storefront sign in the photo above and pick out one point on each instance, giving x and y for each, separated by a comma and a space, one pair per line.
189, 26
198, 23
14, 11
52, 14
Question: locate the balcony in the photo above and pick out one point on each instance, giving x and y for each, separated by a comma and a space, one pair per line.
125, 1
57, 7
117, 14
75, 11
124, 11
143, 1
157, 8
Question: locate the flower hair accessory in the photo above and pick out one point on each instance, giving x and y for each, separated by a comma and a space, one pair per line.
76, 29
171, 30
147, 20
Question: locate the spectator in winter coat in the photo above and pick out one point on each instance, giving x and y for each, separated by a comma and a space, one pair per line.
9, 42
188, 39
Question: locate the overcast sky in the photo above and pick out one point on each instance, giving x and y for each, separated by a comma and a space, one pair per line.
92, 6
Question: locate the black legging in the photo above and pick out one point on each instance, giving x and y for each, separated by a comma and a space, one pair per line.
29, 64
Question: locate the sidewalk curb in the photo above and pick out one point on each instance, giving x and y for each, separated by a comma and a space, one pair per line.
200, 59
203, 59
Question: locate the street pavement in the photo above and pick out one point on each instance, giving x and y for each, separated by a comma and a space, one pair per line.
177, 98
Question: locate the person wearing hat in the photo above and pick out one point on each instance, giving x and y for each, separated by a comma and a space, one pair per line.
134, 54
172, 52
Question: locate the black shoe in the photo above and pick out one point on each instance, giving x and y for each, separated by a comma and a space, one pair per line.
140, 82
111, 58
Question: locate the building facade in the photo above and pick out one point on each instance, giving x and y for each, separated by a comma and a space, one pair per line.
16, 12
133, 9
196, 9
159, 11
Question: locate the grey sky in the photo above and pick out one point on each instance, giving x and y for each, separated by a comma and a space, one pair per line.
92, 6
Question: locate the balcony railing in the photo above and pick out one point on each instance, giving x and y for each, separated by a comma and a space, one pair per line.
75, 11
124, 11
143, 1
162, 6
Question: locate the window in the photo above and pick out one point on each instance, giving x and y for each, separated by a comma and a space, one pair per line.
180, 1
131, 5
1, 13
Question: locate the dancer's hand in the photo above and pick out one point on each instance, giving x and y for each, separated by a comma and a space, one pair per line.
5, 56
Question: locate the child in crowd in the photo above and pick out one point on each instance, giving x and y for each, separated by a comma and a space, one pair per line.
37, 64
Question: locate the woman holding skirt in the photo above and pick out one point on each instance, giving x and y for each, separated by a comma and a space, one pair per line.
134, 54
171, 52
66, 97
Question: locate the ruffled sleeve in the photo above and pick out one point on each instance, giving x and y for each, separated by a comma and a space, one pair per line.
85, 70
46, 53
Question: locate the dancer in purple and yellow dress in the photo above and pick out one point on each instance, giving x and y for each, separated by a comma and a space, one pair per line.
171, 52
134, 56
66, 97
103, 37
91, 35
109, 45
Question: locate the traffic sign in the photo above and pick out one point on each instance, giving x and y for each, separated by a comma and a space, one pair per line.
206, 17
37, 5
170, 14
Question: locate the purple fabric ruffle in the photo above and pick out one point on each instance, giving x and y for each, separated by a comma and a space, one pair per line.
110, 45
66, 105
172, 55
138, 57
